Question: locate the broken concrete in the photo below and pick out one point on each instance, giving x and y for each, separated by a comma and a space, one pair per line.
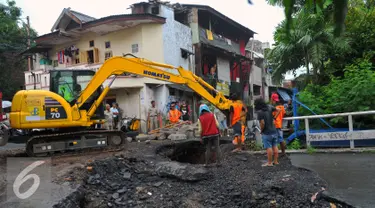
177, 137
181, 129
181, 171
161, 136
142, 137
239, 182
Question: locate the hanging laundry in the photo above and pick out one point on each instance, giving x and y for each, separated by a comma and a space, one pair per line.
73, 48
209, 35
62, 58
68, 52
228, 41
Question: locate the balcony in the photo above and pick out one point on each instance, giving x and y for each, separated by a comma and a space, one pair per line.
219, 42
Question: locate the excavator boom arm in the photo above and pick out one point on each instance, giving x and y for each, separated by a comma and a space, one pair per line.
120, 65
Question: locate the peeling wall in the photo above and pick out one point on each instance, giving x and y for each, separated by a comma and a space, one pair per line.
223, 69
128, 100
256, 76
161, 98
175, 37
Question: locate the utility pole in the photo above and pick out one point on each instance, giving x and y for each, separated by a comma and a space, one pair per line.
28, 42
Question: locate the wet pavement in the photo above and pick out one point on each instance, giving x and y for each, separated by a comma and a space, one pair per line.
350, 176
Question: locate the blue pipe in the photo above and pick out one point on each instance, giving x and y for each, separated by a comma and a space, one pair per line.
321, 119
295, 103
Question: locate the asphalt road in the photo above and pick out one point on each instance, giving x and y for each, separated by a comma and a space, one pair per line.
350, 176
10, 146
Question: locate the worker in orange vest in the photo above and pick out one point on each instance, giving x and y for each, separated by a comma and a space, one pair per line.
237, 112
278, 121
174, 114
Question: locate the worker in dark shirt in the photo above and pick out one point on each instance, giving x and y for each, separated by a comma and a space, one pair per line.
268, 130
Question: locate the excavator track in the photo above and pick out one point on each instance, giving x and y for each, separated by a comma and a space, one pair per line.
77, 142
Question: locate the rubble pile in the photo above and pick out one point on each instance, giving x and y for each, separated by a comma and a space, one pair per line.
239, 182
175, 132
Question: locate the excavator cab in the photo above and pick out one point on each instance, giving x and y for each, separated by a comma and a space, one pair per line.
69, 83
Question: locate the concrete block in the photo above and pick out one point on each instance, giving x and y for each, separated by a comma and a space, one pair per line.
177, 137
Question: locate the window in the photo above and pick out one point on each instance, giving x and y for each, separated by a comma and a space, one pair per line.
107, 44
90, 57
172, 92
108, 55
45, 81
135, 48
257, 90
91, 43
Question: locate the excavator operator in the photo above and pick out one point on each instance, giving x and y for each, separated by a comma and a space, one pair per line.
65, 91
237, 111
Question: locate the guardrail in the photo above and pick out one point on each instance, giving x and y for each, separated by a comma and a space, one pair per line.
339, 135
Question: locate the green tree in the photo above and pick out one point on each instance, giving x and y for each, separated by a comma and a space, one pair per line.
307, 42
352, 92
13, 40
359, 32
317, 6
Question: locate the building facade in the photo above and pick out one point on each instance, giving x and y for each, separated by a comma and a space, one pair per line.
196, 37
78, 41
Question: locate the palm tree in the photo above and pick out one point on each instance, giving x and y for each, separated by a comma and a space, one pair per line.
305, 42
340, 8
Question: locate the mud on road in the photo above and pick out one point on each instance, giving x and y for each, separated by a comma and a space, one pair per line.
143, 176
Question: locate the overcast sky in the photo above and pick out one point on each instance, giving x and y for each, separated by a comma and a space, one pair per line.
259, 17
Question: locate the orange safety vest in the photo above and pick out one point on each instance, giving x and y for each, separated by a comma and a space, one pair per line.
237, 109
278, 122
174, 116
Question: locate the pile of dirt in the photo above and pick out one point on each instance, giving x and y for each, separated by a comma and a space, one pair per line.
240, 182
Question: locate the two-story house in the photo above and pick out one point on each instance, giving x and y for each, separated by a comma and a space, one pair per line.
219, 42
78, 41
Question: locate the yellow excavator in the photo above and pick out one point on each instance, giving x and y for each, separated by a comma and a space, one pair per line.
54, 122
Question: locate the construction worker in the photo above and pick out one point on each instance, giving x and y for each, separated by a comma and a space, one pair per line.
174, 114
208, 128
268, 130
278, 122
237, 110
152, 117
108, 117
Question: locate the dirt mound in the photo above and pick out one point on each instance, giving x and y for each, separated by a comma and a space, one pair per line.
239, 182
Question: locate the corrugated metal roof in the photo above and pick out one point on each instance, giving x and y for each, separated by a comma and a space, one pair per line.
214, 11
284, 95
82, 17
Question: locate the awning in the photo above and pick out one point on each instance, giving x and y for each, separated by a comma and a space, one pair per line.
36, 49
284, 95
180, 87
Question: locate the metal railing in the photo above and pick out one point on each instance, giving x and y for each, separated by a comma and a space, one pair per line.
338, 135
